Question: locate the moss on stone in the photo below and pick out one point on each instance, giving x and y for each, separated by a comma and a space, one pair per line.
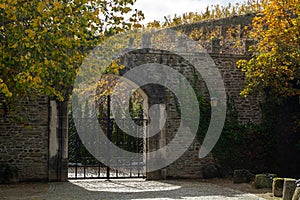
263, 181
277, 187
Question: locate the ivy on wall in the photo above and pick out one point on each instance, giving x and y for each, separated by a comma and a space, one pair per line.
241, 146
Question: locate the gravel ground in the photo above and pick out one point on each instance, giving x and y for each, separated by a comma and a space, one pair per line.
124, 189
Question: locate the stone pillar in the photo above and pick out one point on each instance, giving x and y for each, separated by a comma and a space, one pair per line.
162, 141
63, 140
53, 142
58, 141
156, 142
289, 187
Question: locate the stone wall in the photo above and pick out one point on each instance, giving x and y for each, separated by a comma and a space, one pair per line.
234, 80
221, 29
39, 149
242, 20
26, 145
33, 138
189, 165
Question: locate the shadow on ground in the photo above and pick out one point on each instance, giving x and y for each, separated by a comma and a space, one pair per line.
123, 189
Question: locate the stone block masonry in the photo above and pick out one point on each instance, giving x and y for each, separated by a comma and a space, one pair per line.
189, 165
34, 139
39, 149
234, 80
25, 146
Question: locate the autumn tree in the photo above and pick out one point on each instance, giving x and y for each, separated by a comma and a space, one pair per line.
44, 42
274, 67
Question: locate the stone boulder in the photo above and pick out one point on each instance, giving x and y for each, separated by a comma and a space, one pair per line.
242, 176
264, 180
211, 171
289, 187
296, 195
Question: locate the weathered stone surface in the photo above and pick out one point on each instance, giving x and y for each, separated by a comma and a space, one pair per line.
189, 165
25, 146
277, 187
296, 195
242, 176
8, 174
263, 180
289, 187
28, 149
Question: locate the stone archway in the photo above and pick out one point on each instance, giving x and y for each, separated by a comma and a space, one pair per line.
188, 165
108, 115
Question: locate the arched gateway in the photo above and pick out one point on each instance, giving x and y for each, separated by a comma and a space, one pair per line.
41, 151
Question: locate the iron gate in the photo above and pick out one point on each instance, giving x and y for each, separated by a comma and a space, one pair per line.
83, 165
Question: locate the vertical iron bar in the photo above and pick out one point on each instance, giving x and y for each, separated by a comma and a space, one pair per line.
108, 136
117, 143
77, 144
124, 147
141, 140
130, 159
84, 155
76, 170
99, 169
128, 138
137, 143
84, 168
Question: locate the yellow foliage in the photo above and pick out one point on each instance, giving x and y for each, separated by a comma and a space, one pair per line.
40, 7
274, 66
30, 33
4, 89
3, 5
46, 42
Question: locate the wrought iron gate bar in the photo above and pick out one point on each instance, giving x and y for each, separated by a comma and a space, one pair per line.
85, 166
